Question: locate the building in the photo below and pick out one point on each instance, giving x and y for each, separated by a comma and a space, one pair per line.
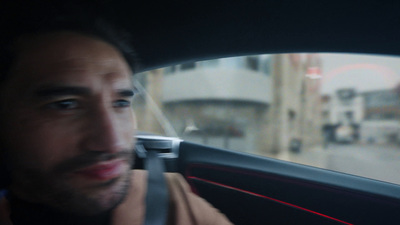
374, 116
343, 113
259, 104
219, 102
294, 116
382, 117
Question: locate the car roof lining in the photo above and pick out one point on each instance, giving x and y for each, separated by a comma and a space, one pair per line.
169, 32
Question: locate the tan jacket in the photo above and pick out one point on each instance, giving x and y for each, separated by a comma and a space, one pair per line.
185, 208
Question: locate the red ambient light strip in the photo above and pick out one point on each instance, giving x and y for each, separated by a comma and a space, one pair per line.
272, 199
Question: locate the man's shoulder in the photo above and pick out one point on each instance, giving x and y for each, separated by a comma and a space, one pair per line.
174, 181
185, 207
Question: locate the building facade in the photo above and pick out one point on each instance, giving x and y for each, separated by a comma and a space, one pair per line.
295, 118
258, 104
382, 117
219, 102
372, 116
343, 113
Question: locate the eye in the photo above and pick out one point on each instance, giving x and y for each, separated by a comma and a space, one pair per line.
121, 103
67, 104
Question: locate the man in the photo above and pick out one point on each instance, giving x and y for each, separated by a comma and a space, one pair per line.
67, 128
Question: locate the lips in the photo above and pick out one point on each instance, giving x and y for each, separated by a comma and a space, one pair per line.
103, 170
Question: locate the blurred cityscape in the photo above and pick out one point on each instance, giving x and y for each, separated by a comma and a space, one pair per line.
273, 105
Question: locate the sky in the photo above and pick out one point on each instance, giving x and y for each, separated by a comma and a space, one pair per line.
362, 72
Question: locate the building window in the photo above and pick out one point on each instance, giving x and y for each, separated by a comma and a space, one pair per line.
252, 63
325, 114
188, 66
292, 115
389, 116
349, 116
170, 70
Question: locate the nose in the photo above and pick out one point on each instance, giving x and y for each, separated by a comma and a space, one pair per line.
105, 131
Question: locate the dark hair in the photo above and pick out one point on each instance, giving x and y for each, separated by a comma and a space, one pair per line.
43, 19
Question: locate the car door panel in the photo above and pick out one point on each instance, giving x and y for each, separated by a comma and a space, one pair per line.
251, 189
256, 190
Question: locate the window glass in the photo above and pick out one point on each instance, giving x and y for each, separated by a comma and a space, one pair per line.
188, 66
335, 111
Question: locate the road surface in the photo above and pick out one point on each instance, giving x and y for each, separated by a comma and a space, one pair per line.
381, 162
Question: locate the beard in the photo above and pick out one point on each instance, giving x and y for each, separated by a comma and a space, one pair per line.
56, 188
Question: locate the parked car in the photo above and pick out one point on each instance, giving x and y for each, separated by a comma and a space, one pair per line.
344, 134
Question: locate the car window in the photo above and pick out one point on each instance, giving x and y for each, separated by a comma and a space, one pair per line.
335, 111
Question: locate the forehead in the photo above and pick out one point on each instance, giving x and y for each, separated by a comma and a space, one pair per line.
67, 57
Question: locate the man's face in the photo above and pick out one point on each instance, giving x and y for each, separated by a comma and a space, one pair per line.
67, 123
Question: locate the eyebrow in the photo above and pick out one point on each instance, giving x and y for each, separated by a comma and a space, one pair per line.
49, 92
126, 92
61, 91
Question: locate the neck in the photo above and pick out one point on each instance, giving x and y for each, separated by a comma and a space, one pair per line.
23, 213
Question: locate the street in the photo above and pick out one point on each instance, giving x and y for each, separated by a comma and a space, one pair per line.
381, 162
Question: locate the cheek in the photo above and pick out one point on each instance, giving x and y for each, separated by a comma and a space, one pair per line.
47, 147
128, 124
36, 143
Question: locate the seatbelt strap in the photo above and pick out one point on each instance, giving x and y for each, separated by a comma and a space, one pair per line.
157, 191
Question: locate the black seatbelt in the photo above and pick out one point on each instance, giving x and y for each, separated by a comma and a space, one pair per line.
157, 191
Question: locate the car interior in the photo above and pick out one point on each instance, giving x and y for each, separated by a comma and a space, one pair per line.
252, 189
